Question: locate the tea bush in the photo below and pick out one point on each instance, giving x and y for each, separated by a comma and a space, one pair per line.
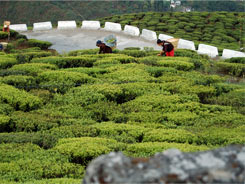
179, 64
236, 69
3, 35
38, 43
28, 162
62, 80
67, 62
33, 68
82, 150
18, 99
6, 61
147, 149
28, 56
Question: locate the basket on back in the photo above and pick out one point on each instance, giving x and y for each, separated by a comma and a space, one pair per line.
7, 23
111, 41
174, 41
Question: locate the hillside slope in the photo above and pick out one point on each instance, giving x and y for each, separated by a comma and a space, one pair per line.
57, 113
36, 11
221, 29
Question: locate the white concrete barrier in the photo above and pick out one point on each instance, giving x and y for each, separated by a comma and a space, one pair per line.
67, 24
40, 26
90, 25
186, 44
207, 49
131, 30
148, 35
227, 53
18, 27
164, 37
110, 26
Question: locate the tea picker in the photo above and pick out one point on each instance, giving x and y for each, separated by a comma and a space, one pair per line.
110, 43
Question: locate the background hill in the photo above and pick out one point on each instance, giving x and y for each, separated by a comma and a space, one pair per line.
221, 29
35, 11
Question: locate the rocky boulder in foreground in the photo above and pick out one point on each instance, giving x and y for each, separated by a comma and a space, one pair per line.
225, 165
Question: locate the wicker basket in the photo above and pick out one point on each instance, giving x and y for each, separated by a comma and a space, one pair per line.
174, 41
6, 23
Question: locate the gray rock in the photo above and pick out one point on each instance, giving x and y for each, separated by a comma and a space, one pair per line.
224, 165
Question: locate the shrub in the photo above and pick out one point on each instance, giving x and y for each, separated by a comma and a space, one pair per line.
32, 121
67, 62
6, 62
29, 162
84, 149
233, 98
159, 71
18, 99
21, 81
4, 123
178, 63
121, 132
3, 35
33, 68
37, 43
148, 149
28, 56
169, 135
62, 80
128, 74
5, 109
83, 52
94, 72
235, 69
240, 60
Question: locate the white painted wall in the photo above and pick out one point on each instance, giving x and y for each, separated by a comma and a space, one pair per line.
41, 26
115, 27
227, 53
186, 44
67, 24
18, 27
131, 30
90, 25
148, 35
164, 37
207, 49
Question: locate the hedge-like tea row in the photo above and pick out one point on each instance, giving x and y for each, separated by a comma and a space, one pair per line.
18, 99
236, 69
67, 62
6, 61
23, 162
38, 43
33, 68
82, 150
62, 80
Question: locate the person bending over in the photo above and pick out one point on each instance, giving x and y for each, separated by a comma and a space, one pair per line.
167, 48
103, 48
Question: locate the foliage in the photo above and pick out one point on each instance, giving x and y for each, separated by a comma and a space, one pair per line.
236, 69
82, 150
6, 61
18, 99
67, 111
29, 162
37, 43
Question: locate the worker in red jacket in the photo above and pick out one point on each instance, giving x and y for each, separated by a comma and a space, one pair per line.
6, 28
167, 48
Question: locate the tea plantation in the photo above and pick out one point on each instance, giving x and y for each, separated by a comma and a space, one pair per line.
58, 112
221, 29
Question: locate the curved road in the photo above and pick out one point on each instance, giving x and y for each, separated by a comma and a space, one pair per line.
76, 39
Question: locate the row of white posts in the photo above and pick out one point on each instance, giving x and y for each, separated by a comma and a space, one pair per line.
132, 31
